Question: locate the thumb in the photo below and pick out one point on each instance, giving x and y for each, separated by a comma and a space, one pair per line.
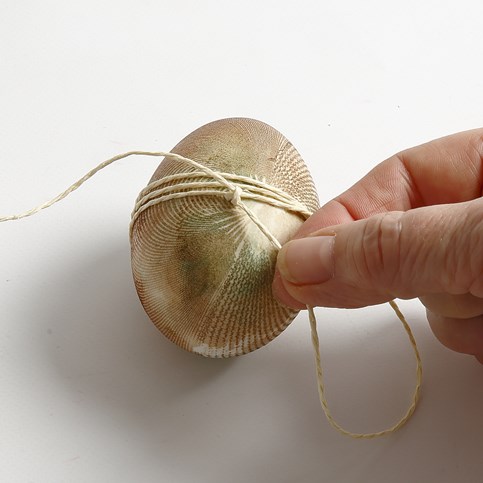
391, 255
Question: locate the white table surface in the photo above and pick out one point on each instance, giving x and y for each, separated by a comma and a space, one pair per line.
90, 391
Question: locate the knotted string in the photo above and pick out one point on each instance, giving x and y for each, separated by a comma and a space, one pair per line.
235, 189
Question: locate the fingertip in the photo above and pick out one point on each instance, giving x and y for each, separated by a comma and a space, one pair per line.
307, 261
460, 335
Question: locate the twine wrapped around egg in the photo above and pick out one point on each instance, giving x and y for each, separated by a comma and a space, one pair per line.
204, 239
202, 269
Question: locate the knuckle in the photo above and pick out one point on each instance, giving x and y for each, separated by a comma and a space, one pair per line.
463, 256
477, 143
475, 248
380, 250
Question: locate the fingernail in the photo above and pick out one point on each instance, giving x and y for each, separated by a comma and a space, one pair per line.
307, 260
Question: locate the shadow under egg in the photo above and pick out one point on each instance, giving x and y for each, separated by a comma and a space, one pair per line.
102, 345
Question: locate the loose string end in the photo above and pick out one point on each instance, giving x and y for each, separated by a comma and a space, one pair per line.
81, 181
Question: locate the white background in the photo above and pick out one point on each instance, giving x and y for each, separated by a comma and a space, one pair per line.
90, 391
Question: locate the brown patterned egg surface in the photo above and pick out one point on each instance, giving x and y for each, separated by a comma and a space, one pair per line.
202, 269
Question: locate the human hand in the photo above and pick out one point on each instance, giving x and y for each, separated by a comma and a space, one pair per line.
412, 227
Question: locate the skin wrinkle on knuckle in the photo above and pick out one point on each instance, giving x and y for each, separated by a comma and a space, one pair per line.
409, 180
459, 257
380, 247
476, 143
450, 243
398, 248
463, 250
454, 274
474, 169
475, 249
430, 254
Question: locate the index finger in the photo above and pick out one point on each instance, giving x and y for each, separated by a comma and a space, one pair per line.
446, 170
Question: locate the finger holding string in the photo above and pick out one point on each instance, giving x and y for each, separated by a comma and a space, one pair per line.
410, 228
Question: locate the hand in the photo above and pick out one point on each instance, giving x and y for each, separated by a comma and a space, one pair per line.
412, 227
